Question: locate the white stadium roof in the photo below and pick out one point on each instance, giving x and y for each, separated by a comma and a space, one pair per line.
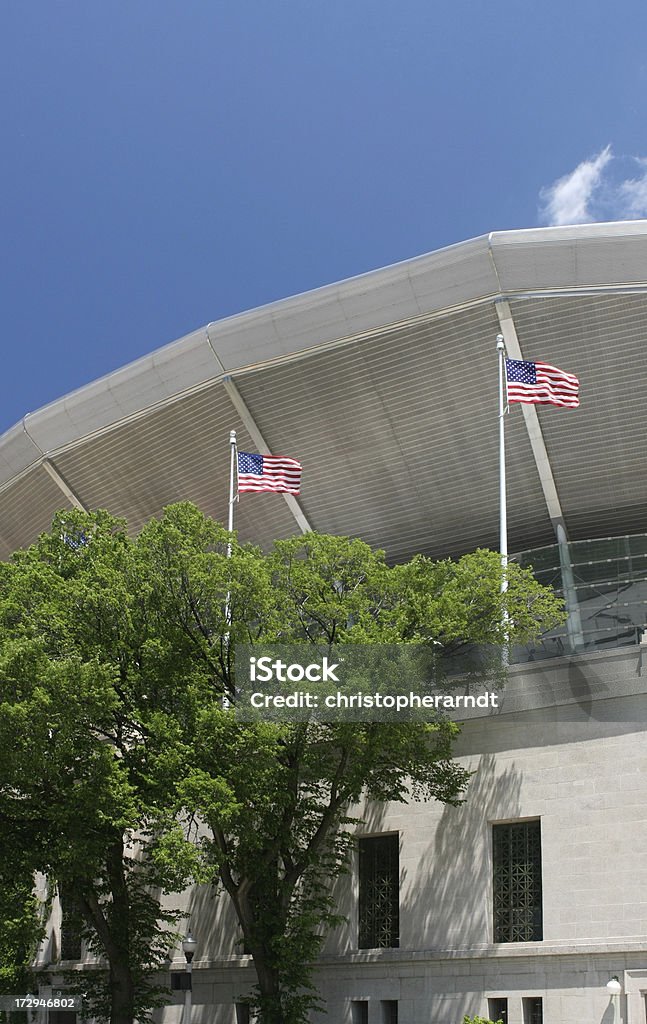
385, 387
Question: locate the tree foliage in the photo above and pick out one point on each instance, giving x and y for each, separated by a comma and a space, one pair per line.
480, 1020
75, 795
116, 654
22, 920
279, 834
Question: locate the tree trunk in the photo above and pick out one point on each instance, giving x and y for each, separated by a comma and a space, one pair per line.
269, 987
114, 935
268, 975
122, 992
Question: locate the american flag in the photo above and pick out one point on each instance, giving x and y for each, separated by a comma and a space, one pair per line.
268, 473
540, 383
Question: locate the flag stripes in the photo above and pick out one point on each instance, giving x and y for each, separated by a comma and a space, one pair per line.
268, 473
541, 384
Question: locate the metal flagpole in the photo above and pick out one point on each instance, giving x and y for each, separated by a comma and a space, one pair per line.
232, 497
230, 527
503, 510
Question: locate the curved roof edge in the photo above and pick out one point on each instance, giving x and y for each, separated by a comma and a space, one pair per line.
534, 261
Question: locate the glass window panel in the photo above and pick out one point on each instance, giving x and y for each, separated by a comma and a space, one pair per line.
609, 590
637, 545
595, 572
540, 558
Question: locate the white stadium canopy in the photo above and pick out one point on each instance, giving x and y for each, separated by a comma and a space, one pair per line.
385, 388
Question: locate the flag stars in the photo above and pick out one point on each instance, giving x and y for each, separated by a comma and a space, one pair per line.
521, 370
250, 463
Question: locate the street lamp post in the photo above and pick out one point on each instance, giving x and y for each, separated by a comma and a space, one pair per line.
189, 946
614, 988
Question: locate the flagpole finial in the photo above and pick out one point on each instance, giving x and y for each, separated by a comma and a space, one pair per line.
500, 343
232, 437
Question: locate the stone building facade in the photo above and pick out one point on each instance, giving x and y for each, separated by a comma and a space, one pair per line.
566, 762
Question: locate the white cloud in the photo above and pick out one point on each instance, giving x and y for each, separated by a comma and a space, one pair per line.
633, 193
569, 199
605, 187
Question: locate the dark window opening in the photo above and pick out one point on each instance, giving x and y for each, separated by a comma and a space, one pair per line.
533, 1012
180, 981
389, 1011
62, 1017
379, 892
517, 882
498, 1010
359, 1011
242, 1013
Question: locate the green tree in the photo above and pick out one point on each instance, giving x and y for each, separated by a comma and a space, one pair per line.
276, 798
115, 656
22, 920
480, 1020
75, 797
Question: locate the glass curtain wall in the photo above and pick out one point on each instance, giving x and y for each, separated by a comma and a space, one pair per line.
604, 585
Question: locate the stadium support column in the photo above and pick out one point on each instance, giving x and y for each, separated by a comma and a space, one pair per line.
63, 485
547, 480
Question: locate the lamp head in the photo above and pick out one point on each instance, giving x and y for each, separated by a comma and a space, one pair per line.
614, 988
189, 946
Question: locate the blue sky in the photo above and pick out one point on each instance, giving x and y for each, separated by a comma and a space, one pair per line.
169, 163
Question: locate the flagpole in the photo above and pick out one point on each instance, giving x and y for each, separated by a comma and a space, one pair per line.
503, 510
232, 478
226, 703
503, 515
230, 520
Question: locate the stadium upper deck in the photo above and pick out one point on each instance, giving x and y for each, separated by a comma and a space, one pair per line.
385, 387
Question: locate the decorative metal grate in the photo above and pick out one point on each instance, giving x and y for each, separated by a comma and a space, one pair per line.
70, 925
379, 892
517, 882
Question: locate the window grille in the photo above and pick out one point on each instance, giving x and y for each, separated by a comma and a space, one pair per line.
70, 925
517, 882
379, 896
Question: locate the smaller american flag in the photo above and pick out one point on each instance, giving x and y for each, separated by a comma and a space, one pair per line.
268, 473
541, 384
